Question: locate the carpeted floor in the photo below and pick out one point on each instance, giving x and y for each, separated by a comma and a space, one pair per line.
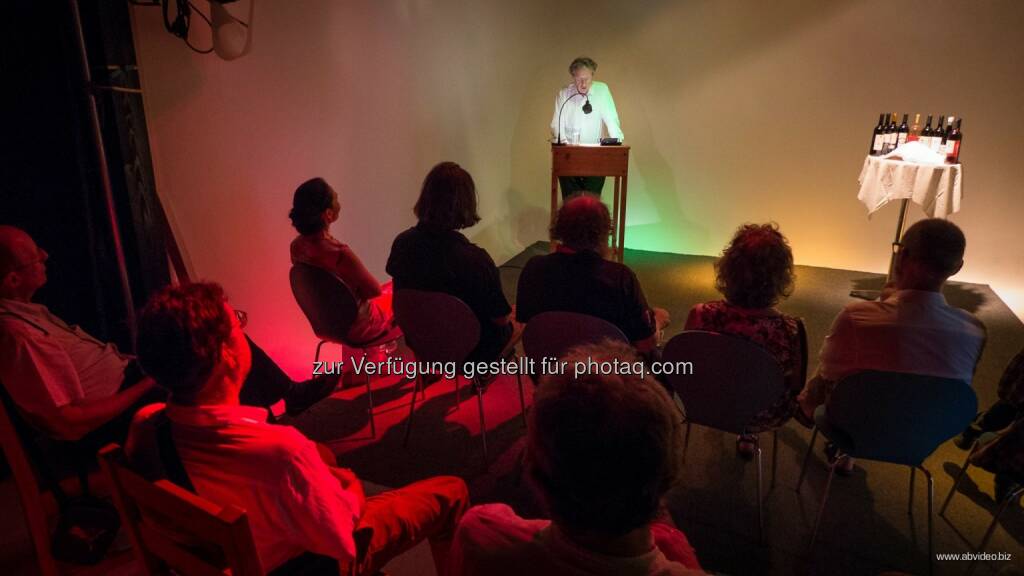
866, 529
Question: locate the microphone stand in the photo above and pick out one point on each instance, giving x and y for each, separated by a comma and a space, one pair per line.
562, 107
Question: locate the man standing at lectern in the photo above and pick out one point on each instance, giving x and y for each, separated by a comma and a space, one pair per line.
584, 112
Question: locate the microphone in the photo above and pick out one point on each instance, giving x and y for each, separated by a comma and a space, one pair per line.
562, 107
587, 108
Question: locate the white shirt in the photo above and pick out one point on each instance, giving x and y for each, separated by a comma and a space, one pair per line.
602, 120
274, 473
493, 541
47, 363
912, 331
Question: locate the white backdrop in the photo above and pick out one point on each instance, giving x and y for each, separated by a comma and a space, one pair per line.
736, 111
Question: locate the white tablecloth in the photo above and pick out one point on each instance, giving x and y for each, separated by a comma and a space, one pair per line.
936, 189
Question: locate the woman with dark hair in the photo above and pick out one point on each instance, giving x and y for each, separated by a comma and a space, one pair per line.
434, 256
314, 208
754, 273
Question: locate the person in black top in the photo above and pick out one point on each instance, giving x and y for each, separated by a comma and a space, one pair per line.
434, 256
577, 277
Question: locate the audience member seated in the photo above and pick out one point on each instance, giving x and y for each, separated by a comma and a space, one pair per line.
74, 387
1004, 456
434, 256
1008, 408
602, 450
910, 328
754, 273
578, 278
314, 208
300, 509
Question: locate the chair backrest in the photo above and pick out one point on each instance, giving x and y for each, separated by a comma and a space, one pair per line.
732, 379
438, 327
325, 299
171, 527
27, 482
899, 418
552, 334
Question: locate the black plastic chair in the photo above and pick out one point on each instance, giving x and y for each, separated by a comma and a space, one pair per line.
735, 381
331, 308
441, 328
1009, 498
891, 417
549, 335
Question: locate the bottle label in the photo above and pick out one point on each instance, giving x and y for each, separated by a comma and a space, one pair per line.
912, 137
876, 145
949, 148
936, 144
901, 139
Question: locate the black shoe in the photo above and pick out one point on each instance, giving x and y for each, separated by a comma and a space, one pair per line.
844, 463
746, 446
305, 394
967, 438
1005, 486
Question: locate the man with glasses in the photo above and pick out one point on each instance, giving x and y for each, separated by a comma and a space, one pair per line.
74, 387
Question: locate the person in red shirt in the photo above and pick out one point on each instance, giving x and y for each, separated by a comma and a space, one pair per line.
191, 342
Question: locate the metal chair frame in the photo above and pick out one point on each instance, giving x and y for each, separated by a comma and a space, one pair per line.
458, 312
760, 377
332, 293
867, 384
1011, 497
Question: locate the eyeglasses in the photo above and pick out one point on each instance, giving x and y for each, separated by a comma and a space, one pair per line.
243, 318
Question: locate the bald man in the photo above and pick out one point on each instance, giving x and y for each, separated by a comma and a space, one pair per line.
75, 387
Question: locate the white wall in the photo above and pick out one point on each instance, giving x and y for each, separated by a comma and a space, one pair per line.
736, 111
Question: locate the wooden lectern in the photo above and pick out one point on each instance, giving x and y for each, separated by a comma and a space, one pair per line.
595, 161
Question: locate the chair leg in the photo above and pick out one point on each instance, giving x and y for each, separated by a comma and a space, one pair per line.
910, 495
318, 346
807, 456
775, 455
522, 399
483, 426
1010, 498
686, 441
931, 500
760, 500
412, 408
824, 499
369, 407
956, 483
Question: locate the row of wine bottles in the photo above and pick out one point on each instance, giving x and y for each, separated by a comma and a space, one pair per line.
888, 135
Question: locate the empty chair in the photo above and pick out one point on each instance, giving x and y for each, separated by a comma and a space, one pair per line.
550, 335
330, 308
439, 327
891, 417
735, 381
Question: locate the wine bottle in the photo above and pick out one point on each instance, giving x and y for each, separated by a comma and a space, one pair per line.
902, 132
878, 136
926, 134
915, 130
953, 139
938, 136
890, 142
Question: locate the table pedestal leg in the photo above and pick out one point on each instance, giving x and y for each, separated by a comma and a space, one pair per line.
901, 224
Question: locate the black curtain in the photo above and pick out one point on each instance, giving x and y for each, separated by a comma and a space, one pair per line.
50, 181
